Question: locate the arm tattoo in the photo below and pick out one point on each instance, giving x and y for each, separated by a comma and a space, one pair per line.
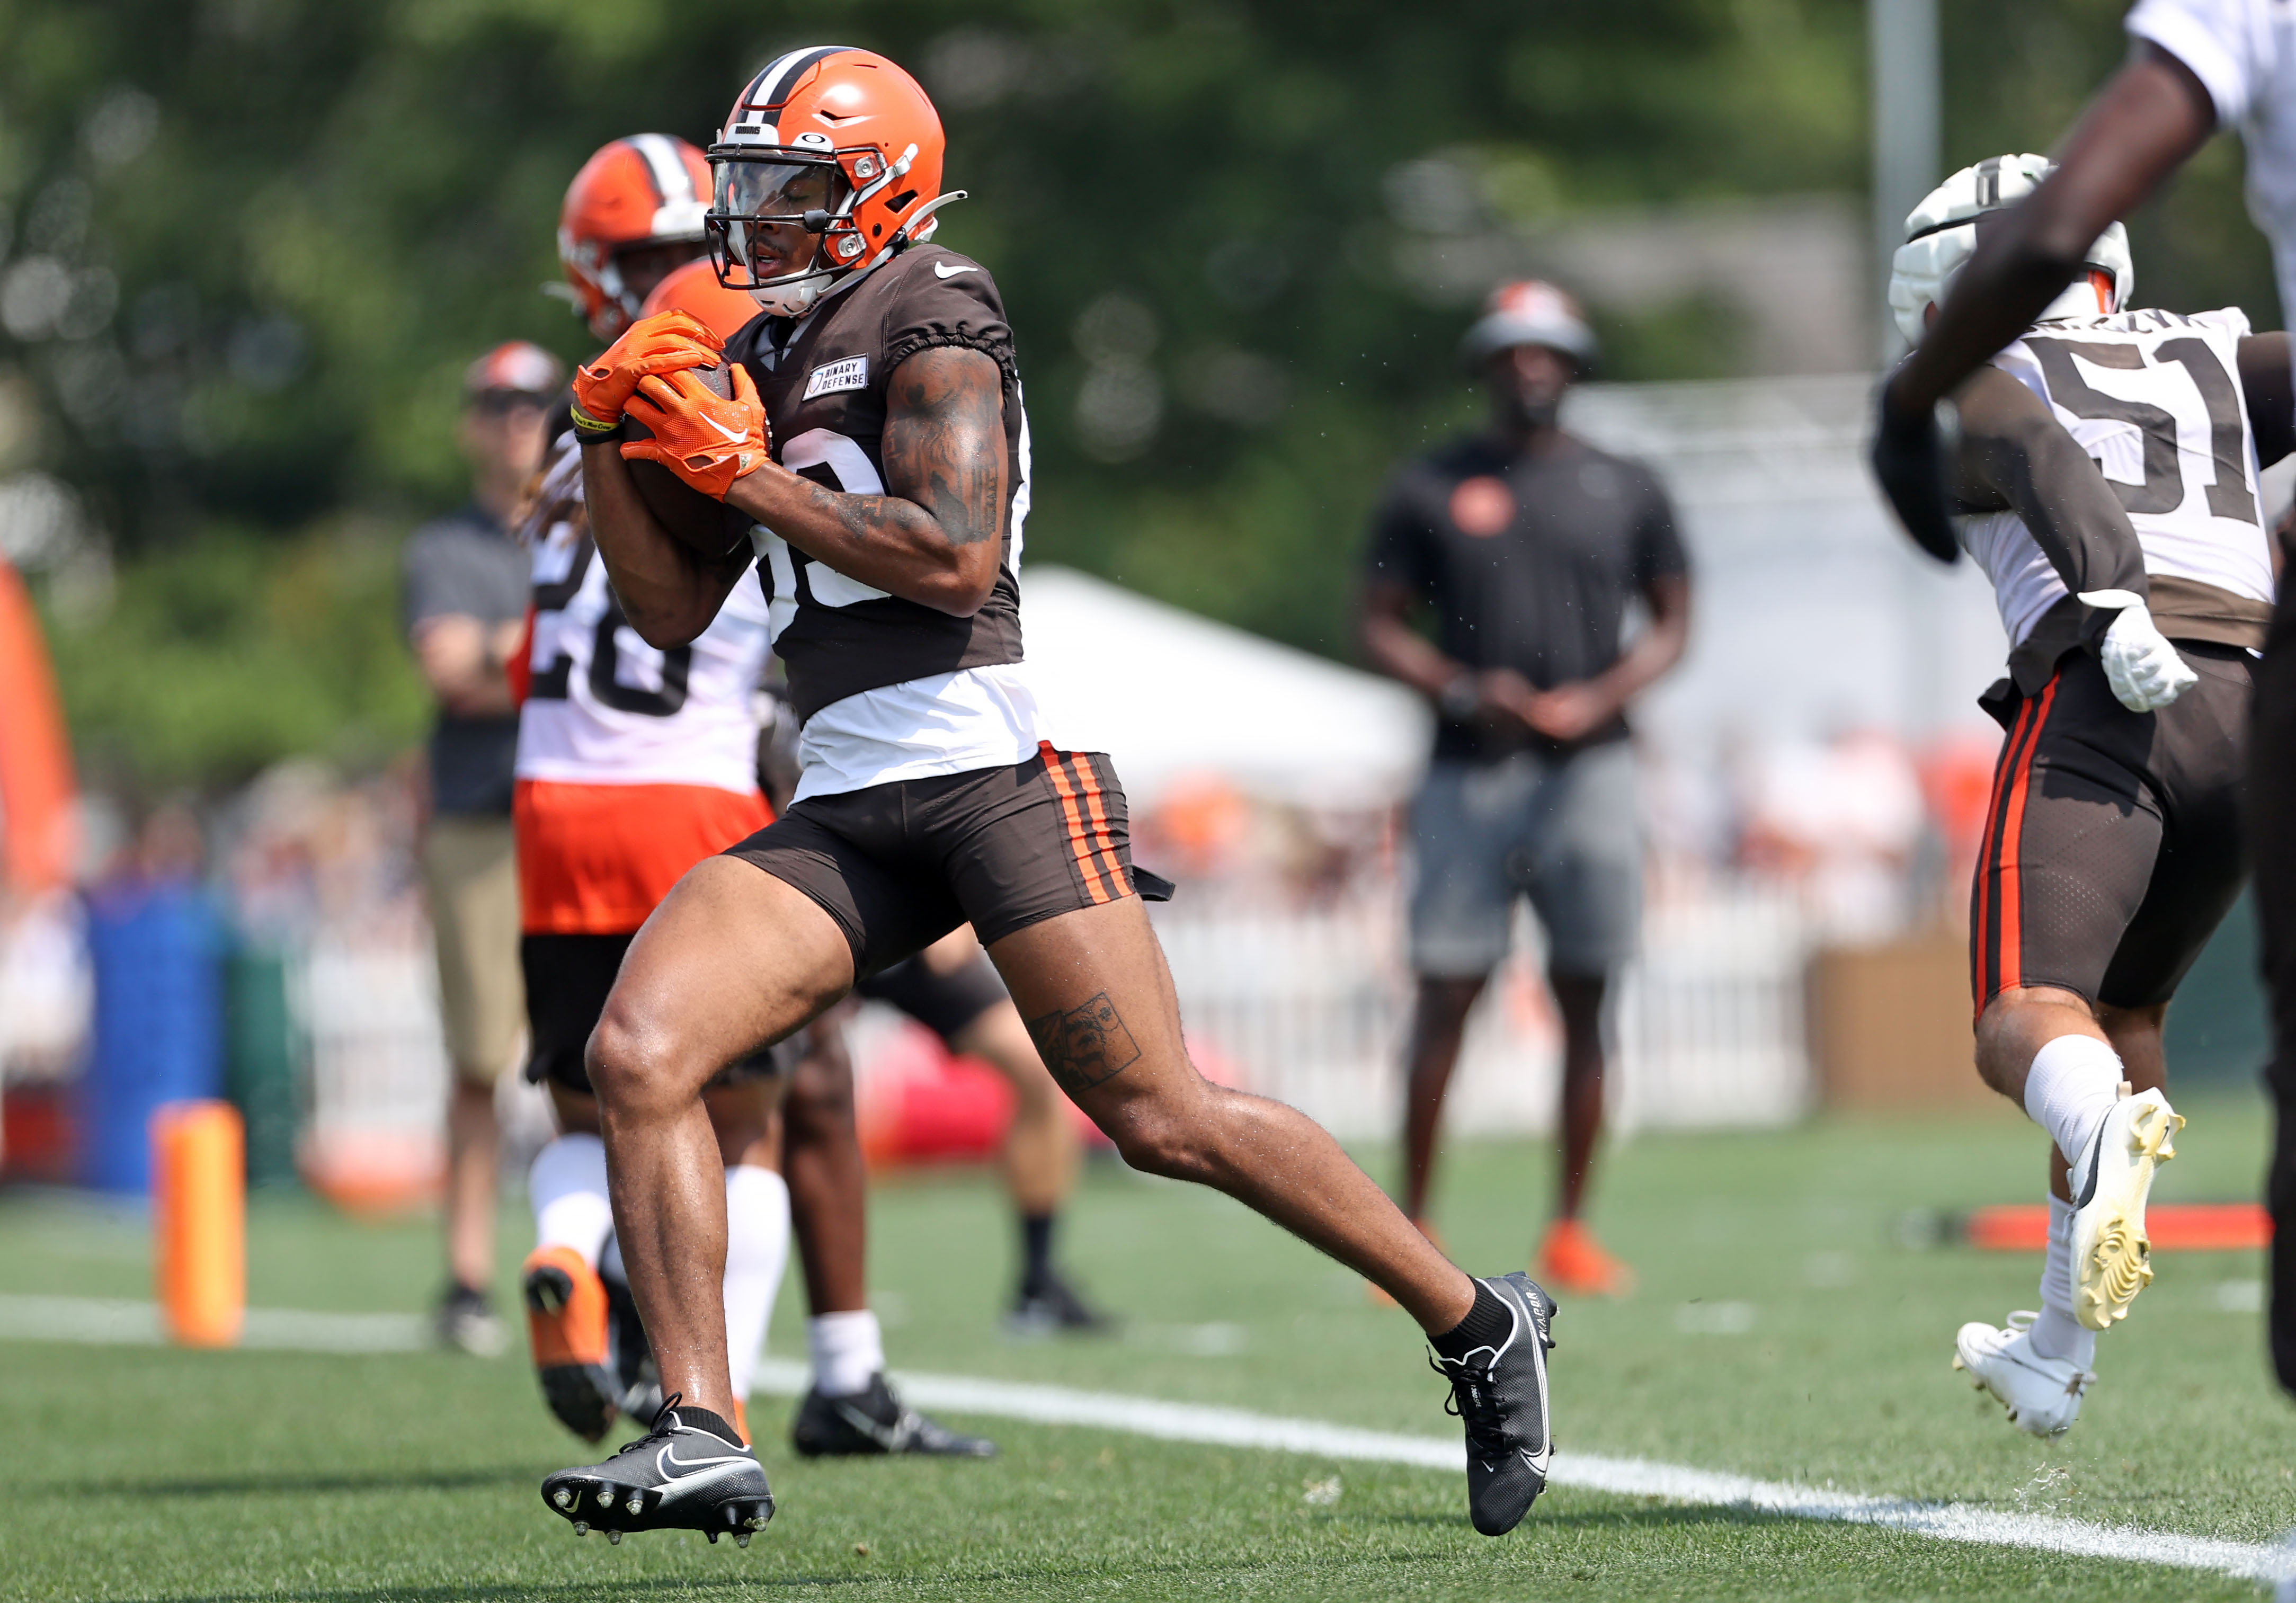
944, 443
1085, 1046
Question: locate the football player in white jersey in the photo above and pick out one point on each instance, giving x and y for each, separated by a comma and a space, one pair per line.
2194, 66
876, 440
2107, 475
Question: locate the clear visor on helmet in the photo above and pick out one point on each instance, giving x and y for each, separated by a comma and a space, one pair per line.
769, 215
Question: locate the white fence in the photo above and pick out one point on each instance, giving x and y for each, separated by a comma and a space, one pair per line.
1311, 1006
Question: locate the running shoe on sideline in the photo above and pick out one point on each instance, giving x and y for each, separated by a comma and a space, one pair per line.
875, 1421
466, 1322
1571, 1261
1051, 1307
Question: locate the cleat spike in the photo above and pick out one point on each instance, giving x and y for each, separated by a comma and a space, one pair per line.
713, 1537
635, 1505
740, 1539
605, 1497
614, 1538
581, 1527
562, 1498
758, 1522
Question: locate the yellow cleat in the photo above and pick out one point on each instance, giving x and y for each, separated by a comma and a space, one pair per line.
2111, 1253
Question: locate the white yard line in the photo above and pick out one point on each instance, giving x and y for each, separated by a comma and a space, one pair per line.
100, 1321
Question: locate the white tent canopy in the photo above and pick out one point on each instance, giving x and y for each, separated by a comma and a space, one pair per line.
1169, 695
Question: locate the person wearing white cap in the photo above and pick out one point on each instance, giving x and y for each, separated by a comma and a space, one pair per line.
1523, 546
465, 591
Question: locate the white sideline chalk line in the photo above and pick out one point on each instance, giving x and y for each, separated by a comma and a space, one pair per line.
1592, 1472
103, 1322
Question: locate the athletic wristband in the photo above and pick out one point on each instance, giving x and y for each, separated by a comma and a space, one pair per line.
591, 429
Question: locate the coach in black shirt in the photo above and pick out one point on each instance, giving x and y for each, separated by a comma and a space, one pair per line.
1499, 575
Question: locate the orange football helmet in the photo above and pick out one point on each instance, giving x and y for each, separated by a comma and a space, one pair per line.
647, 190
694, 289
839, 143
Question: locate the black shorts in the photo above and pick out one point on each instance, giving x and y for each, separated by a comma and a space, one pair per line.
944, 1004
900, 865
2113, 846
568, 977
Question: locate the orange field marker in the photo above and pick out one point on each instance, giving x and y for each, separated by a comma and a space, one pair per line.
199, 1217
2174, 1226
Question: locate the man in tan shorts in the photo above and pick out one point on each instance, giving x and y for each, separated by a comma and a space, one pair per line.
466, 579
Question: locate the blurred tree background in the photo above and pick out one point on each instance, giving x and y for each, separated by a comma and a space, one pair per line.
247, 246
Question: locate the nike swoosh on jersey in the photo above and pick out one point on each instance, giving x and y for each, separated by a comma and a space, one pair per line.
943, 270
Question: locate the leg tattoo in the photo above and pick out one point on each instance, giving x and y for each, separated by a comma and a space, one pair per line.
1085, 1046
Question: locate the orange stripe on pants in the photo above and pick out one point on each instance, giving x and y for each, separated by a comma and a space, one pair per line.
2013, 834
1061, 787
1982, 913
1090, 781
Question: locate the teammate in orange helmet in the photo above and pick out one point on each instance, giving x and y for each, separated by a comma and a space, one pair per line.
632, 216
875, 429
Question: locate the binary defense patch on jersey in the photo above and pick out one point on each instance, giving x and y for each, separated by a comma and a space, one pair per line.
823, 381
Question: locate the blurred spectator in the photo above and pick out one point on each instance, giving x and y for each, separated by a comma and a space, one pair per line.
465, 603
1526, 545
1841, 820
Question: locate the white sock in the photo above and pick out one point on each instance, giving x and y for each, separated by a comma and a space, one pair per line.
847, 1350
757, 1251
568, 1189
2057, 1333
2073, 1084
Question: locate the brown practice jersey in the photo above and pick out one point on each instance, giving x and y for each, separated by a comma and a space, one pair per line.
823, 382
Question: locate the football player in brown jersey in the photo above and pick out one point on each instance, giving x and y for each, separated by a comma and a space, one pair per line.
874, 437
630, 230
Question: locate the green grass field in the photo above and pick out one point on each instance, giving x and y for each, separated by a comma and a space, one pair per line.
1781, 1331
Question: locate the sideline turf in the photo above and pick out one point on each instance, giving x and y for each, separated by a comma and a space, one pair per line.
143, 1473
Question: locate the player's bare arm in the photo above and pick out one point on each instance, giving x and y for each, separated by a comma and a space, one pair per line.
2146, 123
2015, 456
1569, 712
670, 591
1503, 697
934, 537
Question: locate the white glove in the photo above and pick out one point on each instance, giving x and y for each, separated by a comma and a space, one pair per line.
2140, 664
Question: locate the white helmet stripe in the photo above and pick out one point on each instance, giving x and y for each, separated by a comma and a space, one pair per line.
672, 184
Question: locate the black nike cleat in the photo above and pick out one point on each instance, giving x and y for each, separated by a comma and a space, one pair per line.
875, 1421
1500, 1396
1051, 1307
680, 1477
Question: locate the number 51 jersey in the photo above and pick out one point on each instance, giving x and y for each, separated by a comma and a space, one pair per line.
2155, 400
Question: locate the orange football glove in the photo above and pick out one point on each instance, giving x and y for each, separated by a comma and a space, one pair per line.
706, 439
665, 342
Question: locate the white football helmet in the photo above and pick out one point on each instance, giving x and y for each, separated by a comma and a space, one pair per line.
1941, 234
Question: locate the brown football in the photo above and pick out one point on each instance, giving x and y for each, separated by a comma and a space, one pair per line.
703, 522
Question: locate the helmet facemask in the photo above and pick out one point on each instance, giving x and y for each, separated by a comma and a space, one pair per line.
780, 225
